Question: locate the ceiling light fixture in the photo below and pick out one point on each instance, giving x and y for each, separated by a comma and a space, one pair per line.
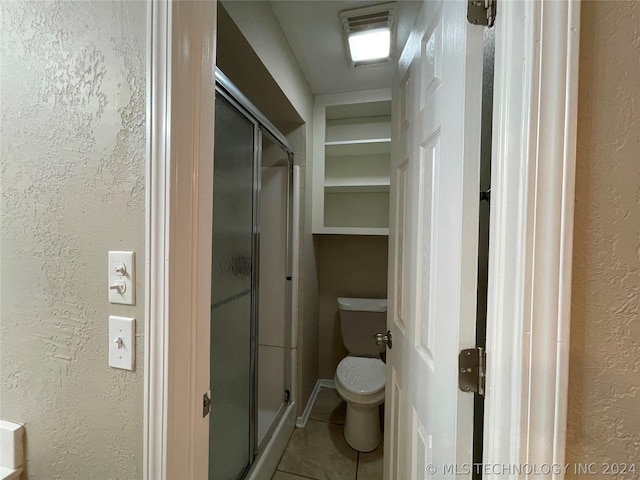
370, 33
370, 45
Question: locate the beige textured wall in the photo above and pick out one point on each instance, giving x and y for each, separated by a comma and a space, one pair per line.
72, 90
604, 378
349, 266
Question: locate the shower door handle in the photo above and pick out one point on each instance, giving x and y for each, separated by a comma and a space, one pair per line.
384, 339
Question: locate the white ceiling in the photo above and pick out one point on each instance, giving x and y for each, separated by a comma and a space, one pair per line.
314, 31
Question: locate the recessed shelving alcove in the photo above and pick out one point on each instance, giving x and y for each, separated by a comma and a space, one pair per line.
352, 148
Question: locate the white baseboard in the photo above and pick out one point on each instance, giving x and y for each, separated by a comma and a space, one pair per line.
327, 383
265, 465
301, 421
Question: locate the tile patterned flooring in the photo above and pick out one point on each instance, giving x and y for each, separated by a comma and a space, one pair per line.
320, 452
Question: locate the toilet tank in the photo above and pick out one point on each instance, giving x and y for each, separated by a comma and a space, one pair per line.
360, 320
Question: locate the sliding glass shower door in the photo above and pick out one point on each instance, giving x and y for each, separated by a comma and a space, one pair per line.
250, 284
231, 441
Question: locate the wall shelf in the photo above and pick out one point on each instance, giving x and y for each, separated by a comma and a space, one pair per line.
355, 187
352, 231
352, 150
358, 142
376, 146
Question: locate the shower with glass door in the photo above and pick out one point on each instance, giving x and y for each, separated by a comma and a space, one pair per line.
251, 283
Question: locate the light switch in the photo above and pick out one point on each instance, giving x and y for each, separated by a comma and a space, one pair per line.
122, 342
122, 278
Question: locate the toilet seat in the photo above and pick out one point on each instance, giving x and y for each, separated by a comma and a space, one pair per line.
361, 375
360, 382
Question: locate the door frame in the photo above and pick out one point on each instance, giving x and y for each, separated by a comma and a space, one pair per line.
531, 229
533, 180
181, 48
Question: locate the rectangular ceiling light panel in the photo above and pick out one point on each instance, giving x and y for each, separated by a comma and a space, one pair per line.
370, 45
370, 33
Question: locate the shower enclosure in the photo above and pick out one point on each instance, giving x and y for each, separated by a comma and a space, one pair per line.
251, 283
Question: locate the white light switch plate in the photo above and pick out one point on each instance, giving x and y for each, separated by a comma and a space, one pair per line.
122, 285
122, 353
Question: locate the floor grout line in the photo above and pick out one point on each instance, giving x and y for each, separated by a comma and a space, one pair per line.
326, 421
297, 475
291, 441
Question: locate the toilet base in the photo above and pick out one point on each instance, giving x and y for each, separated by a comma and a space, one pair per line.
362, 427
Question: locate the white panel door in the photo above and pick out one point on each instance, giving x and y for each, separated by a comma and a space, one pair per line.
433, 245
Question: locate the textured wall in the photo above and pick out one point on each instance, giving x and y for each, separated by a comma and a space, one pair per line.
72, 160
604, 381
350, 266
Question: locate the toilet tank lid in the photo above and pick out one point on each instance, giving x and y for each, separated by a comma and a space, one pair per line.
362, 304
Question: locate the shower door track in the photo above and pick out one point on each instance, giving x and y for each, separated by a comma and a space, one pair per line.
223, 84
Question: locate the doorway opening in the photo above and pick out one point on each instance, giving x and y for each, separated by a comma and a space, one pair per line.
483, 231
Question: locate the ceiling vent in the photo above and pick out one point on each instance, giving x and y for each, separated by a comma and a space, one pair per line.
370, 33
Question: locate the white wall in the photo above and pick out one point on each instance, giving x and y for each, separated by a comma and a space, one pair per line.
72, 149
260, 27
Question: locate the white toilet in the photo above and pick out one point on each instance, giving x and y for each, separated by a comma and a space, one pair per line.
360, 377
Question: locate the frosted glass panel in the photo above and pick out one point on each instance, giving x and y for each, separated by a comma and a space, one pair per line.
231, 373
272, 314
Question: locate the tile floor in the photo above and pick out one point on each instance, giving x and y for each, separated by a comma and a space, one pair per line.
320, 452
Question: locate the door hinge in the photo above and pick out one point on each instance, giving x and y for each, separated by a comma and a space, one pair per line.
287, 396
472, 370
206, 403
481, 12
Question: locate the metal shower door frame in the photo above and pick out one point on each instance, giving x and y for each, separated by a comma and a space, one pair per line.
262, 126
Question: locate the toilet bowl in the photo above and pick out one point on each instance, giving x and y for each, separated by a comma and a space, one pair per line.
360, 382
360, 377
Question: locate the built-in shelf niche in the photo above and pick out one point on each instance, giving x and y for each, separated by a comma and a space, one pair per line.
352, 148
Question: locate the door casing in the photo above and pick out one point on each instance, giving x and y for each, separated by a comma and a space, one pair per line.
181, 51
533, 179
